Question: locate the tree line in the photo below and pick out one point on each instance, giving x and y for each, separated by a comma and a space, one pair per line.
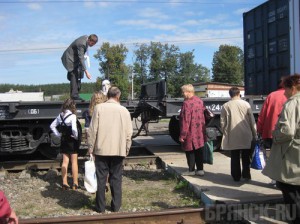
152, 62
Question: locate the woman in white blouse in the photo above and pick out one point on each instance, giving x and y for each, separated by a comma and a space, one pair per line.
65, 127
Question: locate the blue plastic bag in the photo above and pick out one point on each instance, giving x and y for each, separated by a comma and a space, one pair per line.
258, 158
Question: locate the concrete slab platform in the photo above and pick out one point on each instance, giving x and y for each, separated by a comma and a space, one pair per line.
217, 185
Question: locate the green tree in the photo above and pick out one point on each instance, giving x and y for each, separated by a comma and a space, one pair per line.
98, 83
188, 72
202, 74
228, 65
170, 65
156, 61
162, 61
140, 66
112, 65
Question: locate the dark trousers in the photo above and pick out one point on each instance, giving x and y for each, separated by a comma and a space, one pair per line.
195, 157
291, 197
267, 143
112, 165
236, 172
75, 77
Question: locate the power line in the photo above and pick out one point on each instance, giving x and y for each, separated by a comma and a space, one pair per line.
126, 1
125, 43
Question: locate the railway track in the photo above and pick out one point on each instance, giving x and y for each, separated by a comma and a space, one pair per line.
137, 155
174, 216
56, 164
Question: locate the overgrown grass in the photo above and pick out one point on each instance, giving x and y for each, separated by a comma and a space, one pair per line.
145, 191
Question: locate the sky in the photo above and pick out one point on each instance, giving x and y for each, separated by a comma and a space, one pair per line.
35, 33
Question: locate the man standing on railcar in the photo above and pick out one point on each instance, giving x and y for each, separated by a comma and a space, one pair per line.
73, 60
109, 140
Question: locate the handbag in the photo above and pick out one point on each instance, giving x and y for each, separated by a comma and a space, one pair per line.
258, 158
90, 179
208, 115
208, 152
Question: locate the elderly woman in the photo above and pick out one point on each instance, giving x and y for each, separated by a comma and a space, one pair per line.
284, 161
192, 130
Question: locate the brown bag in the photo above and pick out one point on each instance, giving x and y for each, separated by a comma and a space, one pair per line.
208, 115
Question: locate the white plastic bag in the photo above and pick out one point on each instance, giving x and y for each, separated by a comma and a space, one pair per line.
90, 179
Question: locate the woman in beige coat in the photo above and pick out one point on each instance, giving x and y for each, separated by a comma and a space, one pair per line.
283, 164
239, 129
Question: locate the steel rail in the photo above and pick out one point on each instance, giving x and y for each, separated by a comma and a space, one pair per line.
177, 216
56, 164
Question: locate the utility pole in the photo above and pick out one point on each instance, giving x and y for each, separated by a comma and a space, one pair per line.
132, 76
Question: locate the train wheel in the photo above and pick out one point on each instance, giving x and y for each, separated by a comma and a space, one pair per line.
83, 152
174, 128
48, 151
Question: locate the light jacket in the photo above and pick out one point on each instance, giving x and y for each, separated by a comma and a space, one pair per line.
283, 164
110, 130
237, 124
269, 113
192, 124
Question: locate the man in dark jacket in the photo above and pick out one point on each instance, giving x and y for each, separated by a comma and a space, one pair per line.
73, 60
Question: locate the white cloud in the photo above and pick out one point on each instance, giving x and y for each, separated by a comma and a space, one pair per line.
2, 17
91, 4
191, 22
218, 20
152, 13
192, 13
174, 3
208, 37
34, 6
147, 24
241, 11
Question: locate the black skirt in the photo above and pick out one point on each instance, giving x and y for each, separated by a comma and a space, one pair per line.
69, 145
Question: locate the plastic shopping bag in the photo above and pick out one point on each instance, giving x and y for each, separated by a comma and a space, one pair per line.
258, 158
90, 179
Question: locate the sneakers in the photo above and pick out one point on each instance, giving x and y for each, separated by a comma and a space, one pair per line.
192, 173
273, 182
188, 173
199, 172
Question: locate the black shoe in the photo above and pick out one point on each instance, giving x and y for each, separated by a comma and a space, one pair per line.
246, 179
75, 187
65, 187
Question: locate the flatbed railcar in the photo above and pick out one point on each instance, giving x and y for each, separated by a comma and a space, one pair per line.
25, 126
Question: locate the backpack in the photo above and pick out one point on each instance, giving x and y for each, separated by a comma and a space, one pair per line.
62, 128
66, 131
